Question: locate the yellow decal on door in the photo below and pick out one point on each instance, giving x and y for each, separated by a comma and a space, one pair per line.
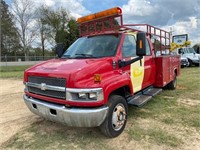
137, 75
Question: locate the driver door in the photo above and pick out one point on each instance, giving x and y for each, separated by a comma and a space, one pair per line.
135, 70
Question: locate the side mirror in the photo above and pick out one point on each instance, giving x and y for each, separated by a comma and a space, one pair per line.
59, 49
141, 44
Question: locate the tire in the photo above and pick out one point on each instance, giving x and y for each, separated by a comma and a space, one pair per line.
115, 121
190, 63
172, 84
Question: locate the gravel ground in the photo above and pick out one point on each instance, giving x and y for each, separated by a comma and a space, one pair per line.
14, 115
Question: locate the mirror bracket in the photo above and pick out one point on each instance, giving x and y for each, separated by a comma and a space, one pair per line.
60, 49
126, 63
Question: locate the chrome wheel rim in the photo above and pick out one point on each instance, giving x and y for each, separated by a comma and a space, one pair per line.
118, 117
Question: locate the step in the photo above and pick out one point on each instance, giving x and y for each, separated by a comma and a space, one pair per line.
139, 100
152, 91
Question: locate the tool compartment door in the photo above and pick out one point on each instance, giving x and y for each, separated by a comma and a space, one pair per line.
165, 68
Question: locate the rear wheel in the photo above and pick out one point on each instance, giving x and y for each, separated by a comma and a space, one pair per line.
172, 85
115, 121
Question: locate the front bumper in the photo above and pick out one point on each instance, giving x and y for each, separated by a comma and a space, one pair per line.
77, 117
184, 63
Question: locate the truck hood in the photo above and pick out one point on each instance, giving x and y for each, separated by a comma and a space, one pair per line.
192, 56
74, 70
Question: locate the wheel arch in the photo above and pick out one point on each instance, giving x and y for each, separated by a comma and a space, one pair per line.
123, 91
176, 71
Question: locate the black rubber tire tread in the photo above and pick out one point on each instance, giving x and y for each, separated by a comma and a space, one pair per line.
182, 66
106, 126
172, 85
190, 63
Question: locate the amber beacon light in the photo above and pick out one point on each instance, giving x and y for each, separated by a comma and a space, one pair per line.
105, 13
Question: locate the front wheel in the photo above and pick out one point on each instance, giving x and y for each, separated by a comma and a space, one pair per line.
190, 63
115, 121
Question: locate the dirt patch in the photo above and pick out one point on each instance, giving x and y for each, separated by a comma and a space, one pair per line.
168, 97
188, 102
14, 115
181, 87
10, 87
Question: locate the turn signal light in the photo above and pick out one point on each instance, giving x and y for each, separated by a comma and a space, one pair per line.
105, 13
97, 78
141, 44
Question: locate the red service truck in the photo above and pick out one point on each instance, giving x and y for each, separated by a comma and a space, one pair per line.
112, 65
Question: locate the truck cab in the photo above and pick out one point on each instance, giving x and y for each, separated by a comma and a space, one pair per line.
191, 55
109, 67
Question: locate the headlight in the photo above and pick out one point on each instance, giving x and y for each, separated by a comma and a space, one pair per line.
94, 94
87, 96
26, 87
82, 95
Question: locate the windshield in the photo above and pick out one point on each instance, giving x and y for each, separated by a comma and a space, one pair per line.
189, 50
93, 47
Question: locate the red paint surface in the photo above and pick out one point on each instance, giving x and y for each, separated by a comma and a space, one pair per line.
79, 73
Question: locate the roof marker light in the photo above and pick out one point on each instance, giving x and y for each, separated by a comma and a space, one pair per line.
105, 13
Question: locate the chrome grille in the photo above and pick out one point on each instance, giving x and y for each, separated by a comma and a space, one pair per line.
49, 81
54, 94
54, 82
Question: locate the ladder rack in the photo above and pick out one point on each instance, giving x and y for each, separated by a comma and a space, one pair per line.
111, 24
152, 31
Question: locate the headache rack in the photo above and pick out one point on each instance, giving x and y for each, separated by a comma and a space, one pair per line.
111, 22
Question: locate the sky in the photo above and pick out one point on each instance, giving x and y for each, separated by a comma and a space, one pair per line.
182, 16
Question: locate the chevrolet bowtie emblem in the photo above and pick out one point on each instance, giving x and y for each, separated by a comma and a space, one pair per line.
43, 86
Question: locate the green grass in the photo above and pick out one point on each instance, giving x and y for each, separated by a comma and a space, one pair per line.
160, 136
166, 104
155, 135
13, 68
166, 108
59, 138
16, 72
168, 123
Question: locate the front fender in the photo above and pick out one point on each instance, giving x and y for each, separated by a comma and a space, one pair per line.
114, 82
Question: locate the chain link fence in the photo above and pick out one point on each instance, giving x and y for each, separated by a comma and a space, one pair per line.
22, 58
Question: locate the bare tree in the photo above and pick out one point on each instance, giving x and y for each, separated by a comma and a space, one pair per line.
43, 36
23, 11
44, 31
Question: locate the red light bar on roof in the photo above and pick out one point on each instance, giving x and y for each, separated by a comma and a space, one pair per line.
105, 13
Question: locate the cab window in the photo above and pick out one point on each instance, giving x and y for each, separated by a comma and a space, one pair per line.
129, 46
148, 51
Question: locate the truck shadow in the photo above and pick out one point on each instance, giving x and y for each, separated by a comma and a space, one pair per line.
46, 127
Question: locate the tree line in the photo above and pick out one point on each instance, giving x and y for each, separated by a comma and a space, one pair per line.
27, 30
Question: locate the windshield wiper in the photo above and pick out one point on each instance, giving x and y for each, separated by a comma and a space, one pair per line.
84, 56
66, 56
